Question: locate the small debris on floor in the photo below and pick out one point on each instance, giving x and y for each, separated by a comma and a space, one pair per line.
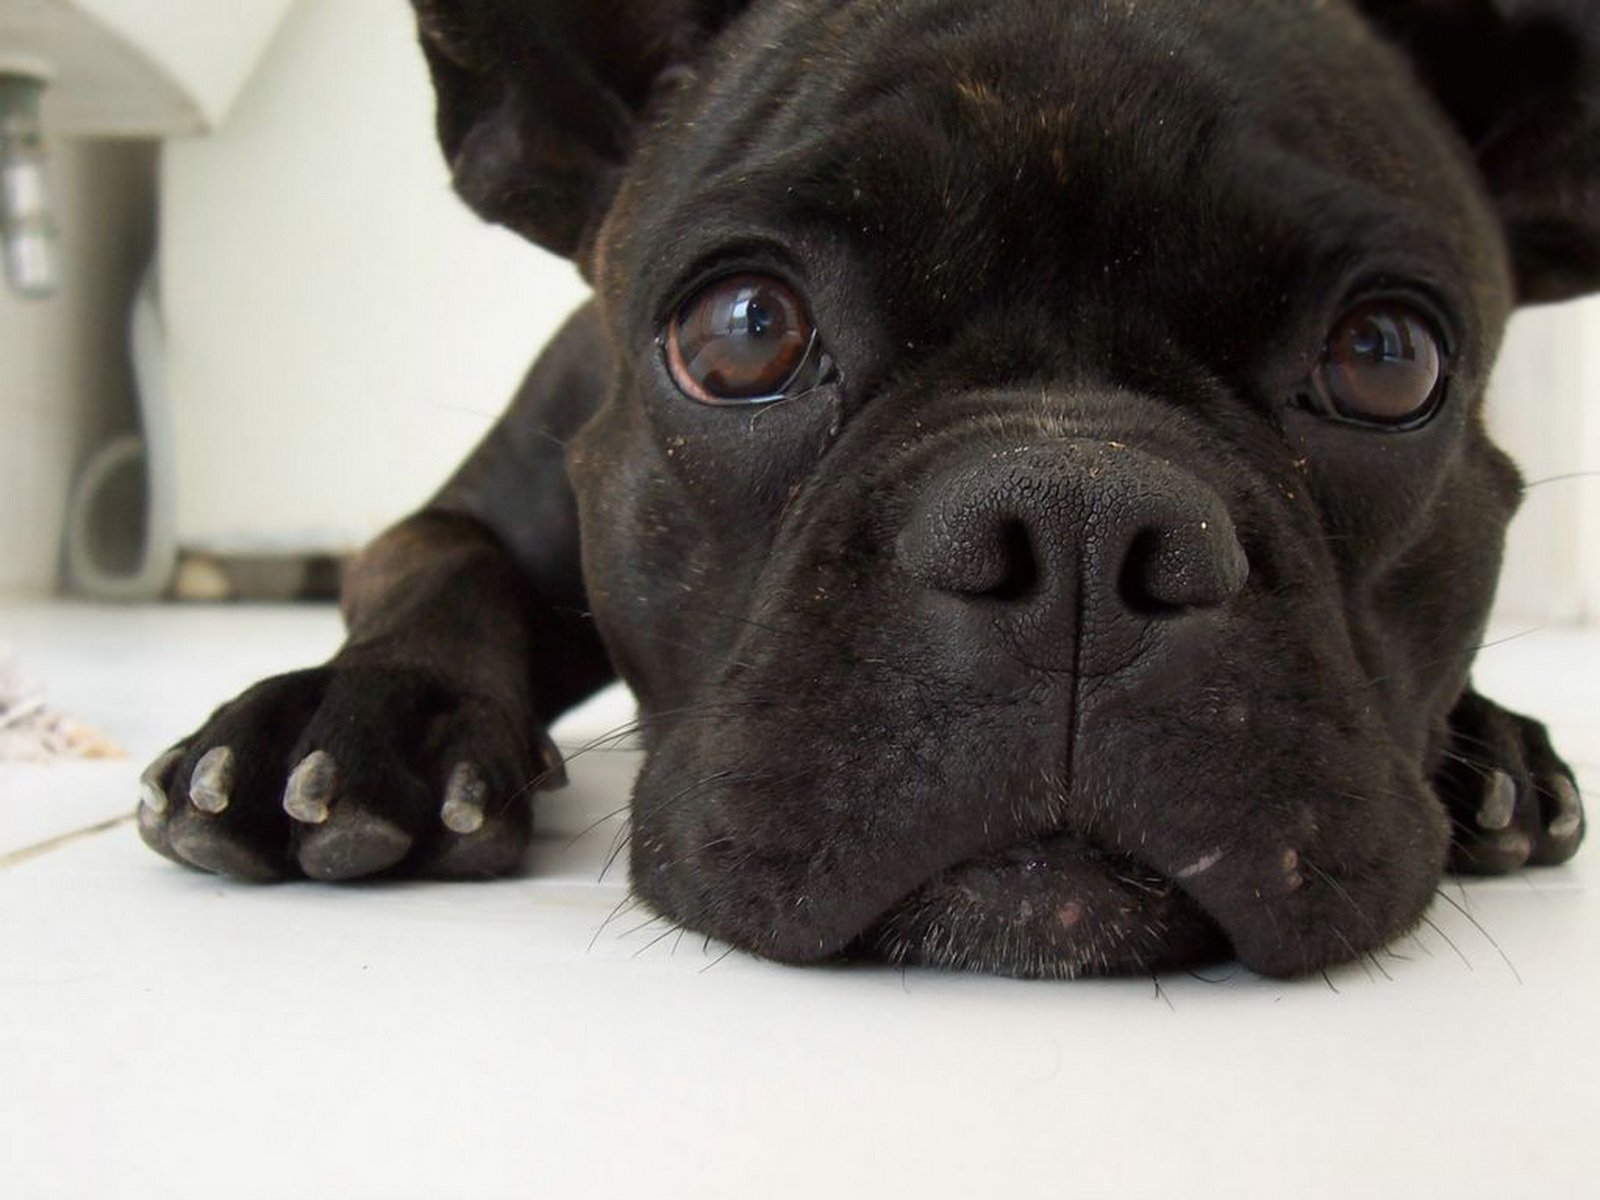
30, 731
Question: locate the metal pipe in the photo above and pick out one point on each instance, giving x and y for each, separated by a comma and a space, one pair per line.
27, 226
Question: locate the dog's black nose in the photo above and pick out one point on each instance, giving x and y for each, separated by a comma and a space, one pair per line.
1107, 527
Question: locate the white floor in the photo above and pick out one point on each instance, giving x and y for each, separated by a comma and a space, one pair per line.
168, 1034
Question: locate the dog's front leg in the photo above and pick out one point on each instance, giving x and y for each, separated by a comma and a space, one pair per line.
418, 747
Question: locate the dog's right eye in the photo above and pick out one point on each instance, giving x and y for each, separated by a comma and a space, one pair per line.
746, 339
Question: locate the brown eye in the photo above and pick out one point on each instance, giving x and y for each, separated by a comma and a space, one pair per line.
740, 340
1382, 365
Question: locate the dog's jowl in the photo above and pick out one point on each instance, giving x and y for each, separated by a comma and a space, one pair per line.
1027, 458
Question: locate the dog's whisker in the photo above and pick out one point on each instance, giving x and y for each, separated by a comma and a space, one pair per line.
1448, 940
745, 622
1161, 993
628, 903
1565, 477
642, 723
593, 825
1354, 955
619, 843
654, 917
1471, 652
672, 927
1338, 890
718, 960
1487, 936
466, 410
1478, 766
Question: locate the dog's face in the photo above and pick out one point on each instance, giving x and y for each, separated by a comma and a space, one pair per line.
1043, 507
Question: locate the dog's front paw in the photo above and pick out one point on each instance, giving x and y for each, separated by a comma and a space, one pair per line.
347, 771
1512, 800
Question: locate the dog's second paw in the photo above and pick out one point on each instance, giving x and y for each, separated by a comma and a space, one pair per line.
1512, 800
342, 772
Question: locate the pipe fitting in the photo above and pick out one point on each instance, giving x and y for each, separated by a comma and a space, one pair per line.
27, 225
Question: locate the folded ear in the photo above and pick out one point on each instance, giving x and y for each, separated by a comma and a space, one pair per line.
538, 99
1521, 79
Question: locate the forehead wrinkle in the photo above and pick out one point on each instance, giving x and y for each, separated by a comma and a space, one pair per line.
972, 156
966, 166
791, 65
800, 68
788, 55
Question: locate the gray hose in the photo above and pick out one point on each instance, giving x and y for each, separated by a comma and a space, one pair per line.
121, 536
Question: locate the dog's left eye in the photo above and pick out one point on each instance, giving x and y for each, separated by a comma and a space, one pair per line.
1382, 365
746, 339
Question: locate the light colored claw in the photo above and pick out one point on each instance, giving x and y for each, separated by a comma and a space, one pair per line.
151, 794
1569, 814
211, 785
308, 796
553, 777
1499, 804
465, 794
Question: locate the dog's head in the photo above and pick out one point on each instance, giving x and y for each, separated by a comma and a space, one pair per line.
1043, 505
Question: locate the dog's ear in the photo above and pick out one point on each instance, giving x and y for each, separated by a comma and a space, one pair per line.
1521, 79
538, 99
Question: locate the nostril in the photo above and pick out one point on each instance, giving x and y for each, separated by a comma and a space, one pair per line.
1133, 585
1020, 563
985, 555
1170, 569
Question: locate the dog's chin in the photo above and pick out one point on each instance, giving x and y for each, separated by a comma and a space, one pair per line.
1057, 907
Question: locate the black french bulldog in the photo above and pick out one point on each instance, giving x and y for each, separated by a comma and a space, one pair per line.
1025, 456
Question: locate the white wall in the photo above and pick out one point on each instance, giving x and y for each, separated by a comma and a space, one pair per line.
341, 330
64, 380
1545, 409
